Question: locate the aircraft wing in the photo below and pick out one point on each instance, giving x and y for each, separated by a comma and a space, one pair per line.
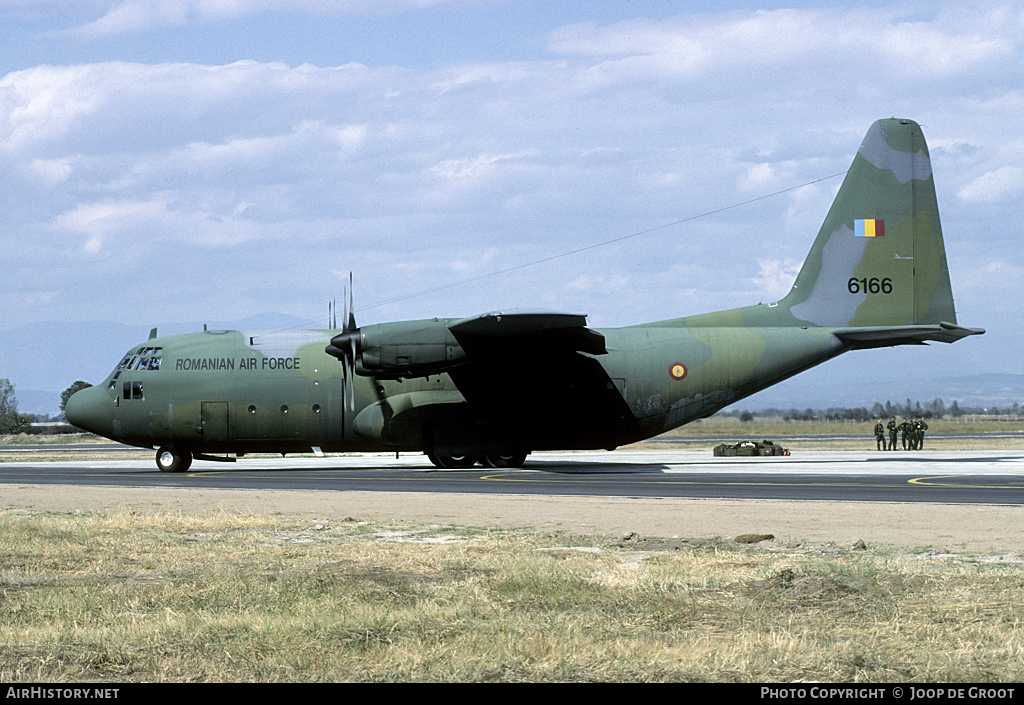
525, 379
501, 330
532, 375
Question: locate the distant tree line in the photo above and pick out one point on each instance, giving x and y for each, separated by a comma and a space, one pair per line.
12, 421
937, 409
928, 410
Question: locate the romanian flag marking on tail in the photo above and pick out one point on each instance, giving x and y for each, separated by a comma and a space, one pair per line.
872, 227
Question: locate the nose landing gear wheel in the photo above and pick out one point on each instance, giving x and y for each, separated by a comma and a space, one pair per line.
173, 460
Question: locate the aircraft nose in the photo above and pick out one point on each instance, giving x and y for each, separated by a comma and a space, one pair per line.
90, 410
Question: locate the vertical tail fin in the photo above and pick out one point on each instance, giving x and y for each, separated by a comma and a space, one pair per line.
876, 274
879, 259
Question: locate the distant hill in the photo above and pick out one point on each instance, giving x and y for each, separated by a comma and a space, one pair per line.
810, 391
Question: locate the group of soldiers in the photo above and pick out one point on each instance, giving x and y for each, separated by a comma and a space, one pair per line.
912, 432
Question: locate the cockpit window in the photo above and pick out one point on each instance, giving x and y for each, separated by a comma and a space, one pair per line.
143, 360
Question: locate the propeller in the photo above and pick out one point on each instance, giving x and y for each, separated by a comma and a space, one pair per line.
345, 345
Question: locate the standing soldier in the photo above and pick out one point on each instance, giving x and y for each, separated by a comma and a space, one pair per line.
921, 428
880, 435
906, 430
892, 433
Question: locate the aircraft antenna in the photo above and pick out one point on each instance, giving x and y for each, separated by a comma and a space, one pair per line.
596, 245
423, 292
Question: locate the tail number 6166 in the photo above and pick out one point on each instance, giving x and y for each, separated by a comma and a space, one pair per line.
874, 285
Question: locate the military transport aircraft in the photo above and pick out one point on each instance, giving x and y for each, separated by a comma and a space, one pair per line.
492, 388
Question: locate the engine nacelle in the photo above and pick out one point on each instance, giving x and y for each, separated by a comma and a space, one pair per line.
400, 350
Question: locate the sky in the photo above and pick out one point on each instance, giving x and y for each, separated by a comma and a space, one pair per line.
186, 160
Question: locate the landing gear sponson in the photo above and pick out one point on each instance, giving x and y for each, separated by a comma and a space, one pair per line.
456, 462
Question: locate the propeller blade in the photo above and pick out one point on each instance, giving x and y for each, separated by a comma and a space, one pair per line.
345, 345
351, 363
351, 323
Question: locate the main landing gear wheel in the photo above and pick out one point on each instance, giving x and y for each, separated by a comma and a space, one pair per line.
453, 462
173, 460
509, 460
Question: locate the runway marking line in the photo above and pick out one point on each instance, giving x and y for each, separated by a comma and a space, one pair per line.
670, 481
929, 482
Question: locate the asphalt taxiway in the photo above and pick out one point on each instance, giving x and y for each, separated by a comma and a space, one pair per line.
932, 501
939, 476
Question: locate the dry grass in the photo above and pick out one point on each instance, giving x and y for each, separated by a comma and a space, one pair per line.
227, 597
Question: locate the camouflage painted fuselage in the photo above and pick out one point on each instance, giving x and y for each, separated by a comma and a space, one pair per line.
514, 382
218, 392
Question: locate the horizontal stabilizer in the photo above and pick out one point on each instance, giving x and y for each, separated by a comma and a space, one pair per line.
887, 336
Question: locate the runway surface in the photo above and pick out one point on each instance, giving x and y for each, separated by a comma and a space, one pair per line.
944, 477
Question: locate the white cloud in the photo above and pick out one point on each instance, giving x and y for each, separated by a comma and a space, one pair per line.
269, 179
44, 103
996, 186
51, 171
775, 277
589, 282
102, 220
990, 293
129, 16
758, 178
112, 226
842, 42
